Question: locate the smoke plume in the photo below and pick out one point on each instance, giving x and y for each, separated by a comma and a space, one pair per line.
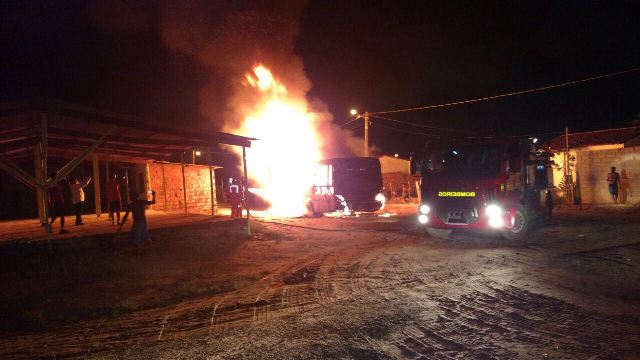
231, 37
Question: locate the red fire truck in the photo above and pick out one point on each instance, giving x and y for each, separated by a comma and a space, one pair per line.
500, 185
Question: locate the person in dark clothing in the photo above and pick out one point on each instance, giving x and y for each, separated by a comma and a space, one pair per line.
56, 204
139, 230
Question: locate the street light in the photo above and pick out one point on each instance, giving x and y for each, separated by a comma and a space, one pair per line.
194, 153
364, 117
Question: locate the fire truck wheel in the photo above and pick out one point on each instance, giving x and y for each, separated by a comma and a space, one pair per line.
438, 233
521, 225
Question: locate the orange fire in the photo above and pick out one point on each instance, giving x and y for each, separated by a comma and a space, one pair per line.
283, 160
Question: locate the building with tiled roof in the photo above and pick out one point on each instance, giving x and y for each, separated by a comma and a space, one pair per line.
597, 137
592, 154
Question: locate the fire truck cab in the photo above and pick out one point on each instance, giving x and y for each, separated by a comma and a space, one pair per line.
501, 186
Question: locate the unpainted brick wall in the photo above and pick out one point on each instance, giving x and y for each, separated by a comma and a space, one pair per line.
198, 184
592, 167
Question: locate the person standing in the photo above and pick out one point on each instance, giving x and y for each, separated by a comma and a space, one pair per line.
139, 230
613, 178
114, 198
56, 204
235, 200
77, 196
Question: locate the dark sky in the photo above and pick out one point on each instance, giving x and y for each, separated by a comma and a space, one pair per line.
373, 55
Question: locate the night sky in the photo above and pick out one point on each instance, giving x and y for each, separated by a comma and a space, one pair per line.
371, 55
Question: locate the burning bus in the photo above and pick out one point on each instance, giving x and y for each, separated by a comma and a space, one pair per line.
349, 184
500, 185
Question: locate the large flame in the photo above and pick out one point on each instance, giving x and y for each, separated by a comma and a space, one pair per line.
283, 160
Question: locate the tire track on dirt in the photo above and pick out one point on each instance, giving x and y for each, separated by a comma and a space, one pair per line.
493, 315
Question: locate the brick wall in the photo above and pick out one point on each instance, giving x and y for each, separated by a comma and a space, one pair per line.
171, 198
592, 167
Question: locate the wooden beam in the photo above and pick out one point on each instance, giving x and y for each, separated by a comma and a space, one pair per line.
130, 122
184, 182
164, 186
107, 179
212, 184
151, 153
119, 139
245, 189
44, 147
148, 180
9, 166
19, 144
68, 167
16, 134
70, 154
40, 176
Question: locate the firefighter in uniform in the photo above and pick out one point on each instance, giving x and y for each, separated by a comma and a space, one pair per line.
235, 200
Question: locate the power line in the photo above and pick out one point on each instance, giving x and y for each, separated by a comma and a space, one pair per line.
350, 121
407, 131
517, 136
418, 125
506, 94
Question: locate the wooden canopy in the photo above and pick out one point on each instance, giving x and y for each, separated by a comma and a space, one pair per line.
71, 128
43, 127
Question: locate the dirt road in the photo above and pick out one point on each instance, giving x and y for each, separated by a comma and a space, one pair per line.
371, 287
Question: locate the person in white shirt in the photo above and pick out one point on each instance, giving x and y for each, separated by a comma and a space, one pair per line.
77, 196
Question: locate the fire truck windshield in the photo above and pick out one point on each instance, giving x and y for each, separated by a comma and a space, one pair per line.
469, 161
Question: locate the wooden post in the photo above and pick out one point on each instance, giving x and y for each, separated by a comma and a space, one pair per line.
184, 182
164, 186
108, 178
126, 185
44, 144
366, 134
96, 184
148, 181
568, 181
211, 183
37, 164
246, 189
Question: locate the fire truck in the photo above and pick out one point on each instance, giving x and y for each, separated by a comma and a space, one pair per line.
350, 184
500, 185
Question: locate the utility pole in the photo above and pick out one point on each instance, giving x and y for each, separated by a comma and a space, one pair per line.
366, 134
568, 180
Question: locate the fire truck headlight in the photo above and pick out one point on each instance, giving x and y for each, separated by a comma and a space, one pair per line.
494, 211
424, 209
423, 219
496, 222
